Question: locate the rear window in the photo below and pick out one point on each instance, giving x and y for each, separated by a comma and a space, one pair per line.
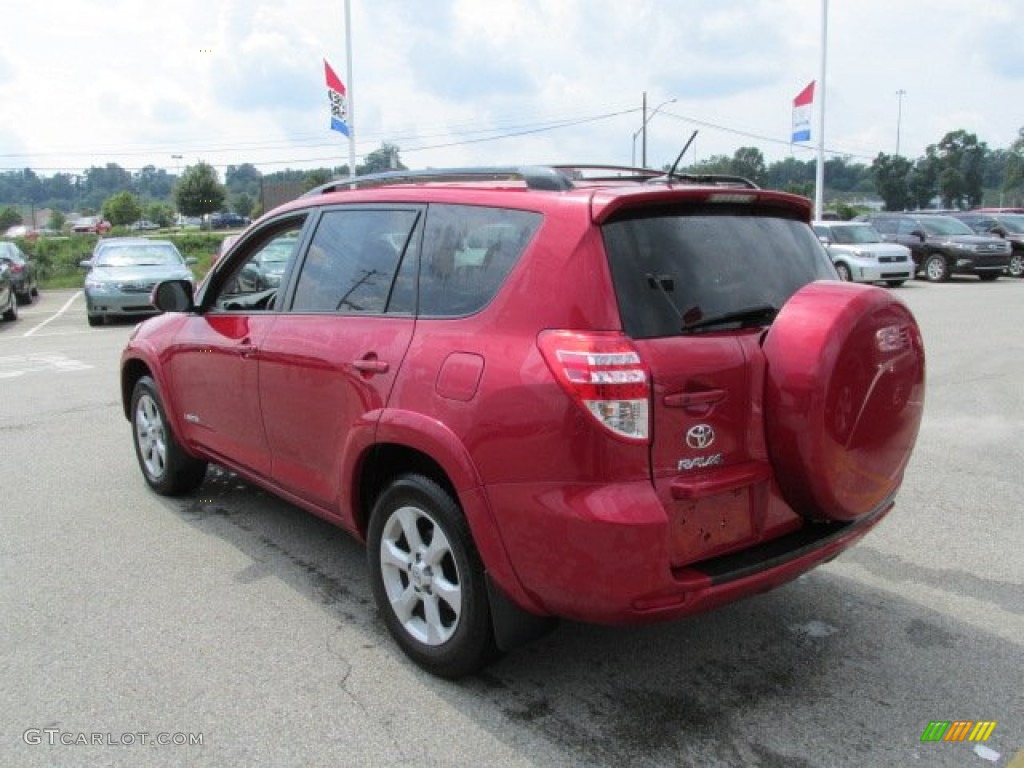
675, 271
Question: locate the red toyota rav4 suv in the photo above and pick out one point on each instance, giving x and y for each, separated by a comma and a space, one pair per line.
610, 395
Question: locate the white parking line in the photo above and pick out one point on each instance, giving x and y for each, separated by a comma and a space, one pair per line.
54, 316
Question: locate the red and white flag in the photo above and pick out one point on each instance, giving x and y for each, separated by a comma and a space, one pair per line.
338, 98
803, 104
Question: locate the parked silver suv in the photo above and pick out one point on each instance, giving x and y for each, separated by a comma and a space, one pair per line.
859, 253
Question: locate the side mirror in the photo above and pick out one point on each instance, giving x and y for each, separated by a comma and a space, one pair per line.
918, 234
173, 296
190, 260
85, 264
824, 240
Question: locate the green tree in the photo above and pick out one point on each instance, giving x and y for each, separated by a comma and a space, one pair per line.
713, 164
152, 182
9, 217
315, 178
748, 162
1013, 182
960, 165
923, 179
380, 160
57, 220
242, 204
160, 213
199, 192
890, 173
122, 209
244, 179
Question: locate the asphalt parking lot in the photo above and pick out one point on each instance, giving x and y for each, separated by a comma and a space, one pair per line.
241, 630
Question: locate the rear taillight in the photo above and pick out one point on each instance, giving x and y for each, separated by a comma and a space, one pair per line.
604, 374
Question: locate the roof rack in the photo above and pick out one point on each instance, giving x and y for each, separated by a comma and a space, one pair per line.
554, 178
536, 177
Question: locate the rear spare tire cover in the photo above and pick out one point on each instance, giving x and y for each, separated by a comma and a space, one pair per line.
844, 394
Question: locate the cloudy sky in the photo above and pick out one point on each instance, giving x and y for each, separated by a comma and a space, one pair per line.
470, 82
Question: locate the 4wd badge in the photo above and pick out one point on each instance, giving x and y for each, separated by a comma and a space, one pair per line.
700, 436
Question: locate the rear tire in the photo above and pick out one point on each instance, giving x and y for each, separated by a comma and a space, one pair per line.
168, 469
12, 314
1016, 268
428, 579
844, 272
95, 320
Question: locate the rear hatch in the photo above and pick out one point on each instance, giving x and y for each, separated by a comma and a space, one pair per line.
698, 279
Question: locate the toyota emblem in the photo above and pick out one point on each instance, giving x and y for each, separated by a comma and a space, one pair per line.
700, 436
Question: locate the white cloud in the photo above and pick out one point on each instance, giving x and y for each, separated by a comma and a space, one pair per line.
231, 81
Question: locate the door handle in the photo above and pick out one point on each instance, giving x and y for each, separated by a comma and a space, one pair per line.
370, 365
247, 349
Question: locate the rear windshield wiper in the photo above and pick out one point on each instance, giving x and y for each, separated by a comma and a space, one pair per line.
759, 312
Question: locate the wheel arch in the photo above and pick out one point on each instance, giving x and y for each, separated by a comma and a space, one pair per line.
407, 442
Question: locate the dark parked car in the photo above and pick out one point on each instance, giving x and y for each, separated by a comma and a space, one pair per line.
538, 393
8, 298
1009, 226
22, 272
228, 221
123, 272
943, 246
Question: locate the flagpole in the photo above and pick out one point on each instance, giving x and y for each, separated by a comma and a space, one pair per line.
351, 93
819, 174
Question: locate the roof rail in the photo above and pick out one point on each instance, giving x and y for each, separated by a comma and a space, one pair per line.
536, 177
554, 178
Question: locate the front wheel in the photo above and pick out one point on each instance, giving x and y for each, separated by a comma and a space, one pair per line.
1016, 268
844, 272
936, 269
168, 469
428, 580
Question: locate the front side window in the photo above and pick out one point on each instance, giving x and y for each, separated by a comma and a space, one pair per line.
254, 282
682, 271
944, 225
468, 251
353, 263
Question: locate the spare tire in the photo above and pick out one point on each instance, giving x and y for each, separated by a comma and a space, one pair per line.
844, 395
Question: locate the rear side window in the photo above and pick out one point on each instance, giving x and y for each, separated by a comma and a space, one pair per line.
683, 268
468, 252
353, 261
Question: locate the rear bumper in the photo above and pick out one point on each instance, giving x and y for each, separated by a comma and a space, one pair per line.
602, 554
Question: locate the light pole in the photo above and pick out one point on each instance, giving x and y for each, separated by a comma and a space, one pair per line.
177, 180
899, 117
643, 129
